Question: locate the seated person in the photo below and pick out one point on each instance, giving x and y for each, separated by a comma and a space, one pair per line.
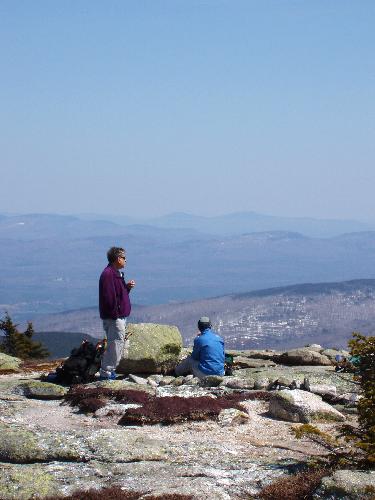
207, 357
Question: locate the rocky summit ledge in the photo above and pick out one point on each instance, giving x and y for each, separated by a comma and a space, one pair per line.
50, 448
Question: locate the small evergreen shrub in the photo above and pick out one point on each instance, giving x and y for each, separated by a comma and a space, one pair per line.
20, 344
363, 348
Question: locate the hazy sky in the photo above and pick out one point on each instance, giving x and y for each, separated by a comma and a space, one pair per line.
146, 107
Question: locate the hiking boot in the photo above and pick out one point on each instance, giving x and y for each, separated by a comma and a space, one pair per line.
109, 376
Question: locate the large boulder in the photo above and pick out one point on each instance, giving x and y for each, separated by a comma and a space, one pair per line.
9, 363
304, 356
347, 484
153, 349
302, 406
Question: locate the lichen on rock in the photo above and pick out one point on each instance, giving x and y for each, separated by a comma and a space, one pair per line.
42, 390
22, 482
9, 363
153, 349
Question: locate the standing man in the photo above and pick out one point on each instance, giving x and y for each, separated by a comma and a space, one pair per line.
114, 307
208, 355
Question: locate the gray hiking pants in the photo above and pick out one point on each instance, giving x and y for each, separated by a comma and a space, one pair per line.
117, 345
189, 366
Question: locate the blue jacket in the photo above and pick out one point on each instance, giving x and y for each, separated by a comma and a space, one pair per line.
209, 351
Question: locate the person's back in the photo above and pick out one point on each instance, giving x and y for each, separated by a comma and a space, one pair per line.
209, 351
208, 356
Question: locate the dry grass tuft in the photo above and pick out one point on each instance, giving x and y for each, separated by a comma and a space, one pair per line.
35, 365
40, 365
8, 372
298, 486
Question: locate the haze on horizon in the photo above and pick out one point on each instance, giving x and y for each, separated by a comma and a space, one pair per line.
201, 106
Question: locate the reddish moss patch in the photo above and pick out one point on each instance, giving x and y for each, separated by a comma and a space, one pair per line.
79, 393
154, 410
170, 410
90, 405
293, 487
116, 493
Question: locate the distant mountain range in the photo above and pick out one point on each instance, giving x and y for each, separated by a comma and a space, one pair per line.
280, 318
51, 263
243, 222
48, 226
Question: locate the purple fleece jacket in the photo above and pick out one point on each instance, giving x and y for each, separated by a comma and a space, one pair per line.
114, 299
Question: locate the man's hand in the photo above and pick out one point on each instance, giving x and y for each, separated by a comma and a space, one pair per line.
130, 284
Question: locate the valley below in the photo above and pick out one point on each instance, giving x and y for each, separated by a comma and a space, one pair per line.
280, 318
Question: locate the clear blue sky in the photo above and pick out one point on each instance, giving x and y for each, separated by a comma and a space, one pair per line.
212, 106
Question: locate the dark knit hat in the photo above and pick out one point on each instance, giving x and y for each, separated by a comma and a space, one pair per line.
204, 323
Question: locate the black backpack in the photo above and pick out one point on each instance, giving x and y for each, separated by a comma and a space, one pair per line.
228, 364
82, 364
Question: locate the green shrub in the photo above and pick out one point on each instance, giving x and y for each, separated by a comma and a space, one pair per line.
20, 344
363, 348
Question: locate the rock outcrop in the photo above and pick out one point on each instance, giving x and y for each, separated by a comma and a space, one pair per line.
304, 356
348, 485
22, 446
153, 349
302, 406
49, 447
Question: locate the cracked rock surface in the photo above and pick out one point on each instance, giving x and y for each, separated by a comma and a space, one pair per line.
49, 448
